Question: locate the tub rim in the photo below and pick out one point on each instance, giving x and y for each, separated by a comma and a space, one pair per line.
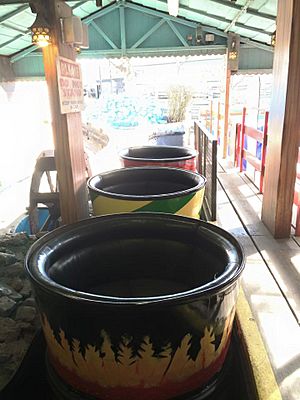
228, 278
133, 197
122, 154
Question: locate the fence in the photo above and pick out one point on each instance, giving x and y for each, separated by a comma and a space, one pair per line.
242, 153
213, 119
206, 145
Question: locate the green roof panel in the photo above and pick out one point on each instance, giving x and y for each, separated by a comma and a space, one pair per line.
254, 20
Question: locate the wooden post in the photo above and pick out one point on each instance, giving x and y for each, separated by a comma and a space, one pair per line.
67, 128
226, 110
242, 138
211, 117
197, 145
232, 64
238, 130
284, 123
218, 121
6, 71
297, 202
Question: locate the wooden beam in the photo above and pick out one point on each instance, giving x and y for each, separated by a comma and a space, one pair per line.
284, 133
67, 128
233, 43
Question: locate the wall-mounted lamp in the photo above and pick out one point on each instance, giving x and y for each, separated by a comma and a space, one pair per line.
173, 7
273, 39
40, 31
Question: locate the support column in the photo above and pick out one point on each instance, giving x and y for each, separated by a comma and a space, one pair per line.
232, 65
67, 128
284, 123
226, 109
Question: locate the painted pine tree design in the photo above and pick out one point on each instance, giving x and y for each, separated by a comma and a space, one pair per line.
132, 365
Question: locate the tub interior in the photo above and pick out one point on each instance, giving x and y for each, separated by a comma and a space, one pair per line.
133, 262
158, 152
146, 182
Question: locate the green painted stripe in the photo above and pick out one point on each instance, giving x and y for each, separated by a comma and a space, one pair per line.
171, 206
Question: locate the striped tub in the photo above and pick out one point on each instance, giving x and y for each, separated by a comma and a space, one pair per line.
153, 189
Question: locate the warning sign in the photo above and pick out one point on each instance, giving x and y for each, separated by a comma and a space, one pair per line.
69, 86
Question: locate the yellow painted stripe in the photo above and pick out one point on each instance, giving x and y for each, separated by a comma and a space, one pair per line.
265, 381
106, 205
193, 207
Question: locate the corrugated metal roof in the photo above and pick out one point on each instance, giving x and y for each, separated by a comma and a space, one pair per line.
16, 19
252, 19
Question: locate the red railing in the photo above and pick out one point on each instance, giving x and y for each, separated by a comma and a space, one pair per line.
241, 152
